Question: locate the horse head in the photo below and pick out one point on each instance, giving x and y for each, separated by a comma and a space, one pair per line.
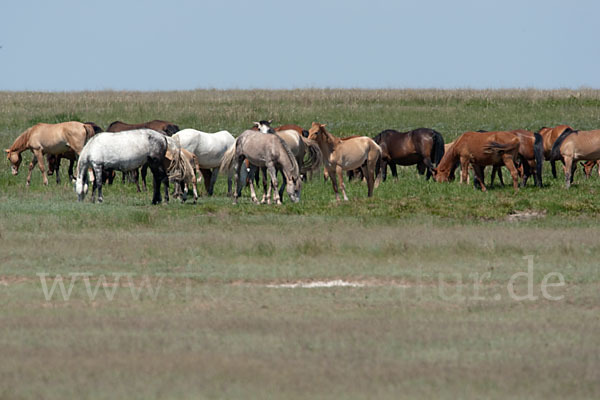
15, 160
264, 126
315, 129
294, 188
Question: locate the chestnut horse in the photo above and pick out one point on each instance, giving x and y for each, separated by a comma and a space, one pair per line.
480, 149
572, 146
342, 155
549, 136
48, 139
588, 166
423, 146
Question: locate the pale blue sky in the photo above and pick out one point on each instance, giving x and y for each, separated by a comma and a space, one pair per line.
64, 45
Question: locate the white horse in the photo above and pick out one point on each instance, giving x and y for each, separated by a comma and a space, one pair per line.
210, 149
122, 151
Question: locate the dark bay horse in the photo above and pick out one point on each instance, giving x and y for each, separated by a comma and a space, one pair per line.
423, 147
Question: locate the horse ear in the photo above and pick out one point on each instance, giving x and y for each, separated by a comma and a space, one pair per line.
270, 121
323, 125
256, 124
7, 150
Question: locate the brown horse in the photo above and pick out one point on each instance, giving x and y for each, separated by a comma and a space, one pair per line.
48, 139
423, 147
342, 155
549, 136
572, 146
480, 149
531, 155
588, 166
168, 128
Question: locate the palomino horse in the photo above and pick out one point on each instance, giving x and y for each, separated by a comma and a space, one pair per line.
268, 151
307, 153
480, 149
209, 148
549, 136
48, 139
423, 146
55, 159
123, 151
342, 155
572, 146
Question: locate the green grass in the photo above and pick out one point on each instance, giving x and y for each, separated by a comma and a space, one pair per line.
212, 329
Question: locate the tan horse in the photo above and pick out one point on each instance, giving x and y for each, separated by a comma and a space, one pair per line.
480, 149
48, 139
549, 136
343, 155
572, 146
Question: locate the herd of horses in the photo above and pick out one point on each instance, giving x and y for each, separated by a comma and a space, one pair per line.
186, 157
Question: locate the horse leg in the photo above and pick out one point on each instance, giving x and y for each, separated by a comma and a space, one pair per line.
509, 162
213, 180
98, 183
144, 173
31, 166
40, 160
273, 173
229, 182
340, 175
206, 175
369, 172
464, 169
331, 175
238, 186
71, 176
252, 191
56, 169
394, 171
282, 188
266, 186
553, 165
478, 172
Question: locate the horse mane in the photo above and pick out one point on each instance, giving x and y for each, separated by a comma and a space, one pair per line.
21, 142
555, 153
113, 124
296, 168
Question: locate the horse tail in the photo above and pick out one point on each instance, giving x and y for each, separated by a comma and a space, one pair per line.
304, 133
228, 157
438, 147
555, 153
81, 186
315, 157
538, 153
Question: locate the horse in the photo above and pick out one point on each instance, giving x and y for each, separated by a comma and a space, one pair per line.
209, 148
480, 149
54, 160
300, 147
123, 151
168, 128
588, 166
182, 167
268, 151
572, 146
48, 139
549, 136
423, 147
531, 155
342, 155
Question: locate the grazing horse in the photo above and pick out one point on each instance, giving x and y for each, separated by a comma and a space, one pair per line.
531, 155
55, 159
209, 148
480, 149
307, 153
572, 146
268, 151
48, 139
123, 151
168, 128
181, 167
549, 136
588, 166
423, 146
342, 155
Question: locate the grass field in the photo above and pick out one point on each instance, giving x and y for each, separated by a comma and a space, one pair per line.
193, 307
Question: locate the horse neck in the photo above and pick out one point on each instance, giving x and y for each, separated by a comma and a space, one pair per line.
329, 141
448, 160
22, 142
